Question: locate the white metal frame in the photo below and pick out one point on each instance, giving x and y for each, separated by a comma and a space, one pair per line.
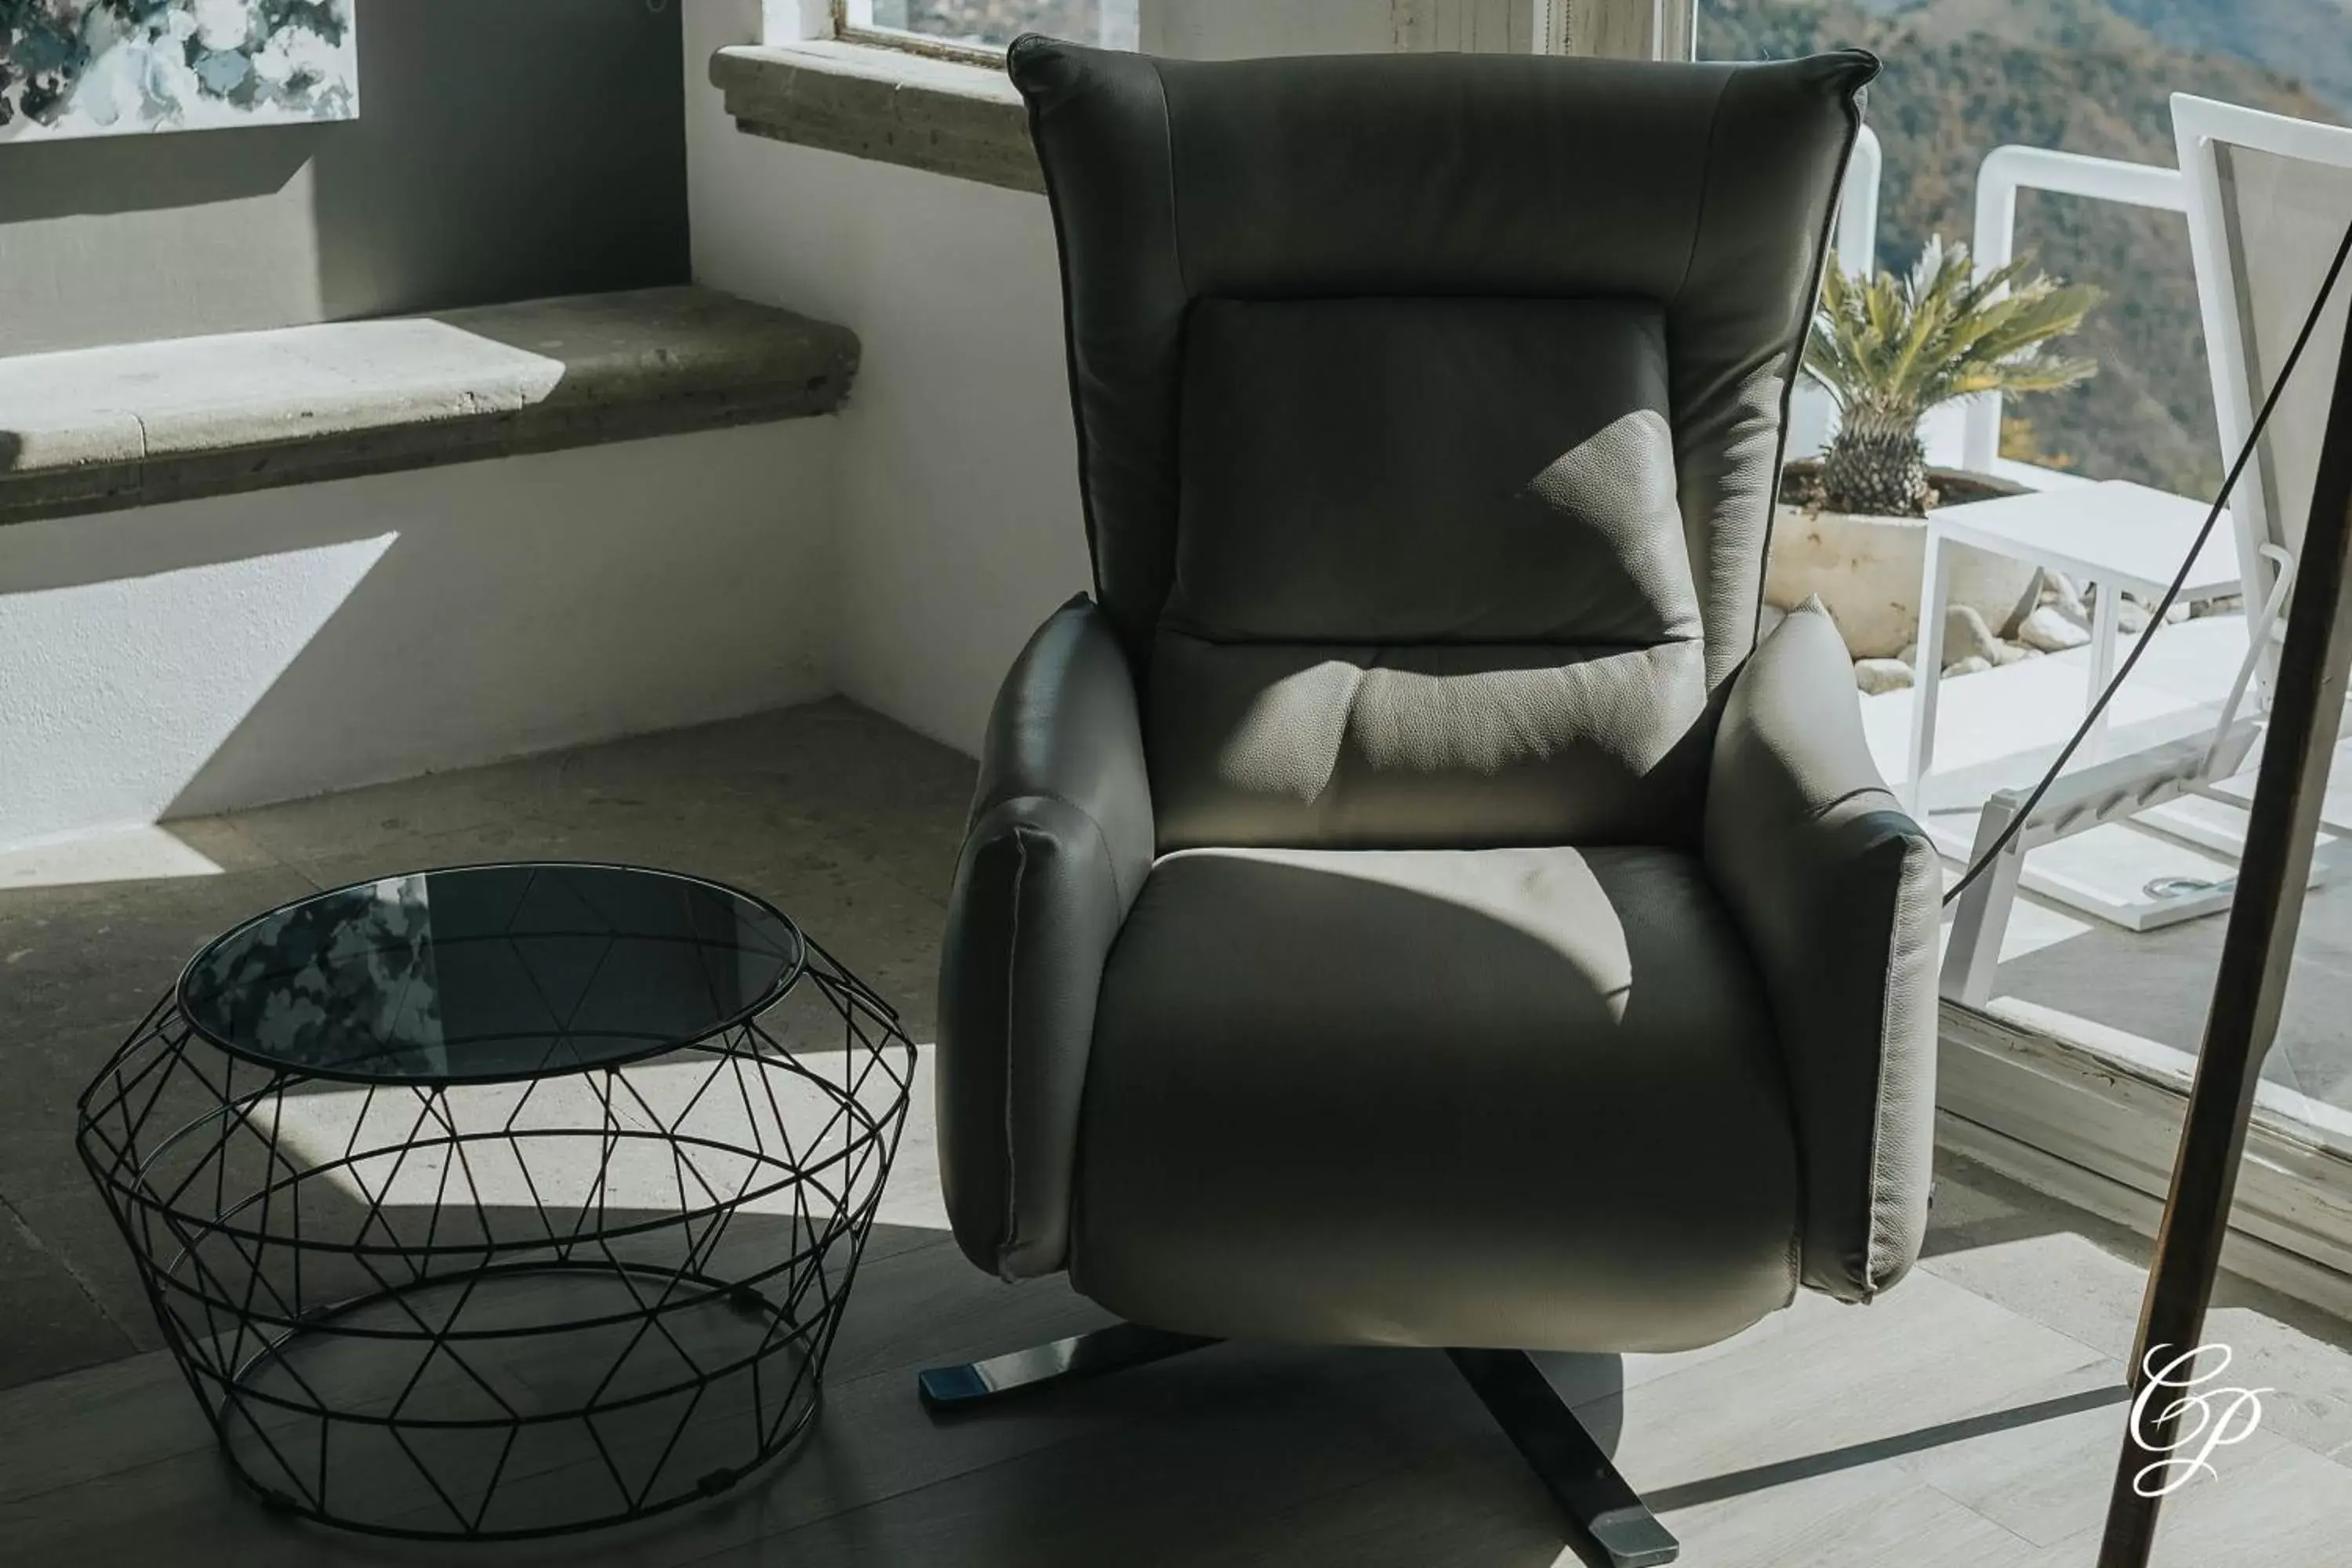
1854, 243
2110, 790
1857, 220
2008, 170
2198, 126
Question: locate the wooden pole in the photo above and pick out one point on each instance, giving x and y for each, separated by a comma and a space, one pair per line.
2258, 948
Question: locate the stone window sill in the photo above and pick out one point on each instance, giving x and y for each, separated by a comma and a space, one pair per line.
889, 105
100, 429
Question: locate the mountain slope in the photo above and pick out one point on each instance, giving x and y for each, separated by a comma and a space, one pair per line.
2310, 40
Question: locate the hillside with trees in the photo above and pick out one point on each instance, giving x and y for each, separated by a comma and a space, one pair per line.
1963, 77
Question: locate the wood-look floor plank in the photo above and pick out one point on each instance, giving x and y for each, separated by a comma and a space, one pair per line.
1213, 1442
134, 1468
1916, 1526
2045, 1481
2285, 1508
1473, 1501
1830, 1381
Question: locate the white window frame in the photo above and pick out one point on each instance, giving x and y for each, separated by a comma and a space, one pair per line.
1649, 29
852, 23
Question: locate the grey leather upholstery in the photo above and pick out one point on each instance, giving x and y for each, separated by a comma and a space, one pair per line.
1358, 647
1839, 893
1058, 846
1400, 910
1503, 1097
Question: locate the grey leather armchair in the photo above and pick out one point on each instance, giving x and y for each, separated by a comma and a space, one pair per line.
1404, 906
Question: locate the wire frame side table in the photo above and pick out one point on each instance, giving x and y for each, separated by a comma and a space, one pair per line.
502, 1201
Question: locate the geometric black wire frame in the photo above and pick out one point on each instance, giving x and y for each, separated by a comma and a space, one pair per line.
504, 1310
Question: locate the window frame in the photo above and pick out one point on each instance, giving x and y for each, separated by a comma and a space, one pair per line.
852, 23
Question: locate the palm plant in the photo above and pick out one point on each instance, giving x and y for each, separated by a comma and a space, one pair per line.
1888, 350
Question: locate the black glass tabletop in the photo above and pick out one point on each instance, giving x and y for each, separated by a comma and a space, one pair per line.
490, 974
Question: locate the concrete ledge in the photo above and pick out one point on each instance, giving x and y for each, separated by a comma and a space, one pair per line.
889, 105
139, 424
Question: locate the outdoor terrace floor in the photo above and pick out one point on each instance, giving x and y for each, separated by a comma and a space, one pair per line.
2000, 727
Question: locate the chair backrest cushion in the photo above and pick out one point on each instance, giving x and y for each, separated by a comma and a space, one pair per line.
1430, 414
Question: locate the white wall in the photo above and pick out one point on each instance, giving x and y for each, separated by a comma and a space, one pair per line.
958, 527
181, 659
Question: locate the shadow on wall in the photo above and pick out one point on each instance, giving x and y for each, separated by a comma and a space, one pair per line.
104, 175
506, 151
502, 151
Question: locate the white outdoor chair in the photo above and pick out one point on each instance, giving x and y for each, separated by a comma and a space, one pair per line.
2268, 198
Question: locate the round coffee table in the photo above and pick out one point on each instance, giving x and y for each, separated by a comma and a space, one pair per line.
502, 1201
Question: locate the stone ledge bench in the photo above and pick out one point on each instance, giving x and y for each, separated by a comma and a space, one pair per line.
134, 424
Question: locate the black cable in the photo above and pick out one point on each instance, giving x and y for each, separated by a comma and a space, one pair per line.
2156, 616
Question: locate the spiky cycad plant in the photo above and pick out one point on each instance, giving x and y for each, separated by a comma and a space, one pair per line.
1889, 350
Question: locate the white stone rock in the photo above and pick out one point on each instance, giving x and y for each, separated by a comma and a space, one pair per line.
2064, 595
1873, 676
2005, 653
1768, 620
2130, 619
1965, 636
1972, 665
2051, 630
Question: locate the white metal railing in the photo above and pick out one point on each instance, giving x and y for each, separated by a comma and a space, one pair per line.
1857, 223
1855, 244
2008, 170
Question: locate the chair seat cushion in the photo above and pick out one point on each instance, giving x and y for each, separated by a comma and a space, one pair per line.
1516, 1097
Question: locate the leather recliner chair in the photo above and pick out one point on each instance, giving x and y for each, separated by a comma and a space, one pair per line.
1406, 905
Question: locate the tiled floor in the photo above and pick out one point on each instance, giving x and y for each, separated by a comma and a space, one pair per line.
1970, 1418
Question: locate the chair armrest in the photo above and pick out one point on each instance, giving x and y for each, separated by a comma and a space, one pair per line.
1059, 844
1838, 891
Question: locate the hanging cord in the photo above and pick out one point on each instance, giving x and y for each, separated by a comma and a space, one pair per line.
2156, 616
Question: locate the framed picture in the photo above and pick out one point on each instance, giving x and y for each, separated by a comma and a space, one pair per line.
112, 67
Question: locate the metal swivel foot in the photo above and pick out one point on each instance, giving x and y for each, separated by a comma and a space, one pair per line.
1105, 1350
1606, 1511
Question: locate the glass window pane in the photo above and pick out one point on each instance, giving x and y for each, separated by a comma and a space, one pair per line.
994, 23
